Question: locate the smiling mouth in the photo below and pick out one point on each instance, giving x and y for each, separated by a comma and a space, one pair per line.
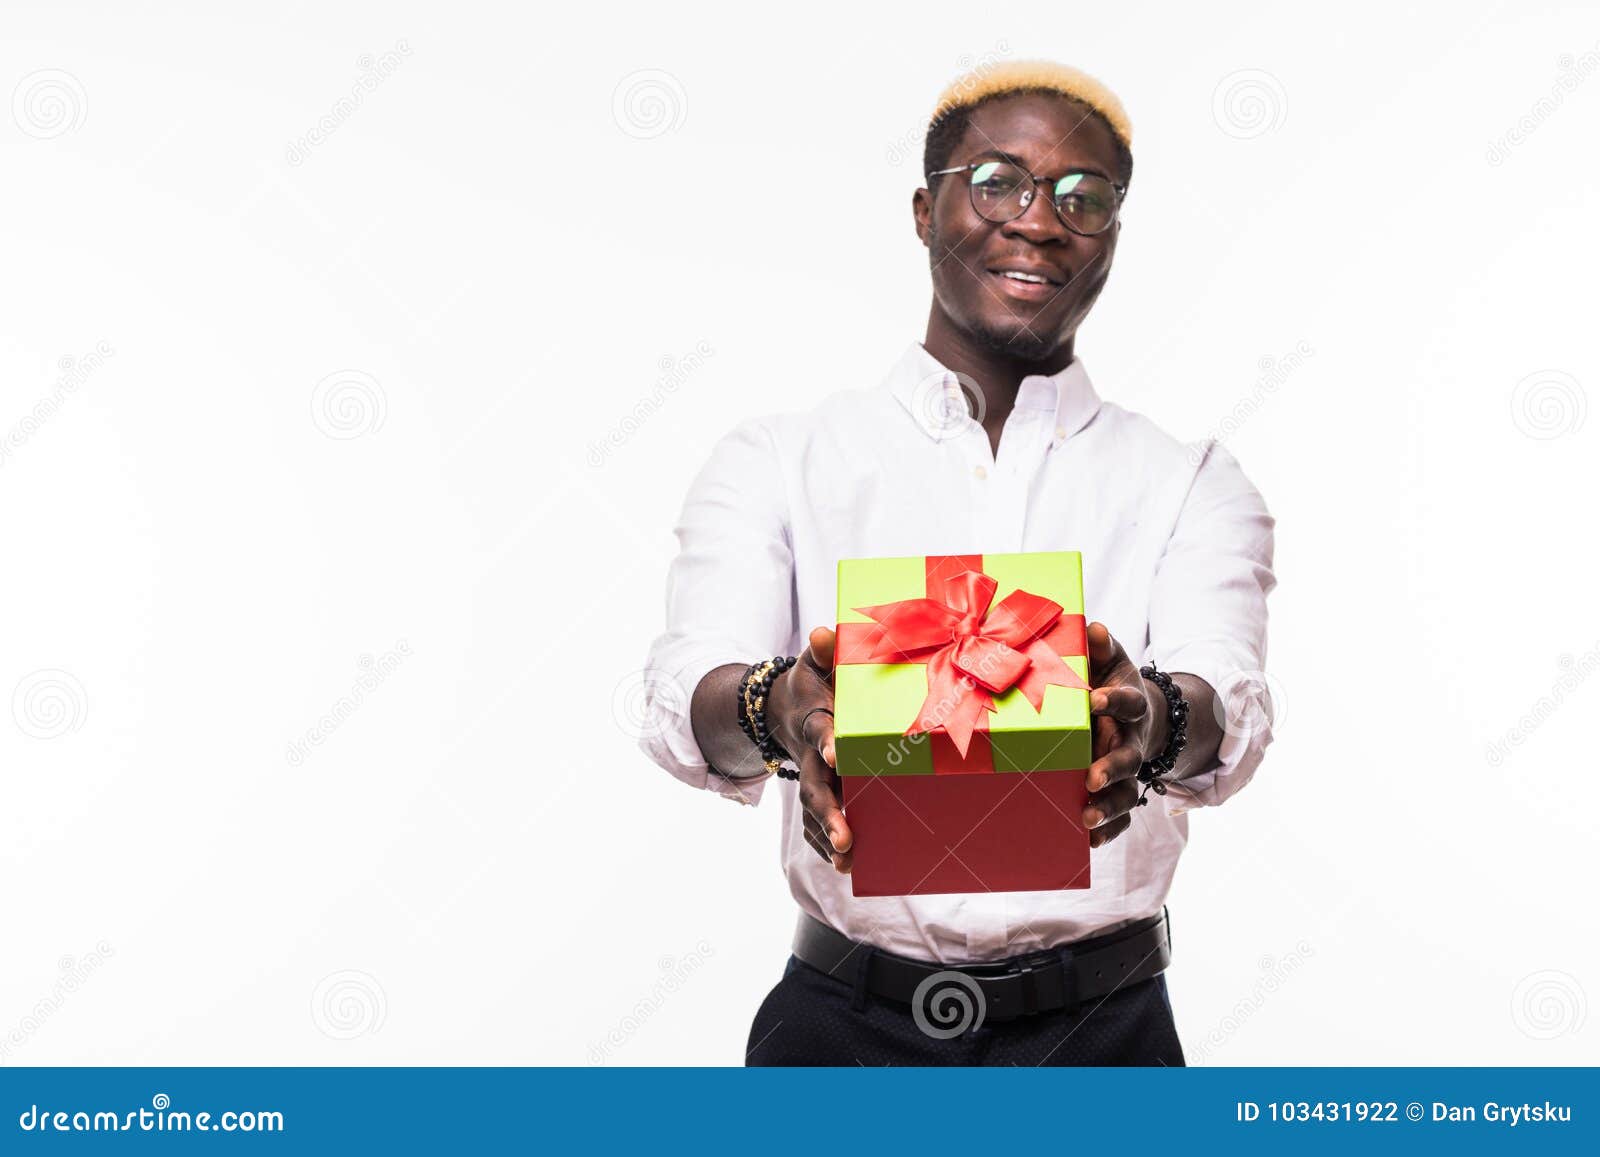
1027, 286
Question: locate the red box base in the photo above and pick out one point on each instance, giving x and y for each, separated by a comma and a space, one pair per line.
1002, 832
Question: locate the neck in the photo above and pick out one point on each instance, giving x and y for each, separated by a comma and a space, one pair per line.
997, 374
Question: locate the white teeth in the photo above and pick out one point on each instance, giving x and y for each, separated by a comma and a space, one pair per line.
1024, 277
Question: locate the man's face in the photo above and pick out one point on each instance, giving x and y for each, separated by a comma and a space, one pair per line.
1049, 136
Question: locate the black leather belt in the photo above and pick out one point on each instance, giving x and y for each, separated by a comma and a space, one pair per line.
1043, 981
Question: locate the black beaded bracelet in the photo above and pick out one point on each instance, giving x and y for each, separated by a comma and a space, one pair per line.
753, 691
1151, 770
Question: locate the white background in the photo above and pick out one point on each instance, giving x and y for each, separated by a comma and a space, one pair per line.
328, 399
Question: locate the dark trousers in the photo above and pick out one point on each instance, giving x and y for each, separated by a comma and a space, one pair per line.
810, 1018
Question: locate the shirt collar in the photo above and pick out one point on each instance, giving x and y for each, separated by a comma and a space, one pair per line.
933, 396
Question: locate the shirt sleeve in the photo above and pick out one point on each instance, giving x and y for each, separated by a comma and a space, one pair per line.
730, 599
1208, 617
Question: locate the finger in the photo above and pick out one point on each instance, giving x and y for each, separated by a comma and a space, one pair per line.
1111, 804
1124, 704
1109, 831
1120, 764
819, 734
1104, 651
841, 861
817, 797
813, 834
1107, 735
822, 646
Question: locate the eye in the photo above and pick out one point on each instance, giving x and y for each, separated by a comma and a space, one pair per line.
994, 176
1082, 203
1086, 198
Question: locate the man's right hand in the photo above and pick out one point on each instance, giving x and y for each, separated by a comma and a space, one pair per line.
807, 734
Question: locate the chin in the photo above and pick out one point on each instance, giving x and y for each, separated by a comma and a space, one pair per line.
1014, 341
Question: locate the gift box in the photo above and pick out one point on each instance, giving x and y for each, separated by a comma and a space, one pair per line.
961, 722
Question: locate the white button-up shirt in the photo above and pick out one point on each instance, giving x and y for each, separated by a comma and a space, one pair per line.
1177, 562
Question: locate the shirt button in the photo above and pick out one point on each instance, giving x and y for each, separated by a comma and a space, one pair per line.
980, 473
1061, 431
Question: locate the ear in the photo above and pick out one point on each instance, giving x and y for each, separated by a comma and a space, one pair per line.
922, 214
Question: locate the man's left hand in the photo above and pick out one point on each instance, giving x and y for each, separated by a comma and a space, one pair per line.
1129, 722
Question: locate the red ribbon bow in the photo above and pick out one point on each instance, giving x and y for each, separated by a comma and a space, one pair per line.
973, 651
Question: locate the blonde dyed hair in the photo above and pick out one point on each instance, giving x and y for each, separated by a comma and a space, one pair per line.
1016, 76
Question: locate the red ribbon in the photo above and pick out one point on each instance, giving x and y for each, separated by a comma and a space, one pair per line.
974, 651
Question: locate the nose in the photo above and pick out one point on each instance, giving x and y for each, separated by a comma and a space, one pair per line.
1038, 221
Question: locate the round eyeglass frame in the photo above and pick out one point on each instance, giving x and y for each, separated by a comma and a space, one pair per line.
1026, 199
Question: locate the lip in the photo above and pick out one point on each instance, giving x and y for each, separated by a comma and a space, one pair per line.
1034, 291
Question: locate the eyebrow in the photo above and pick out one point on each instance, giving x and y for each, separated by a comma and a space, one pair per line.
1013, 159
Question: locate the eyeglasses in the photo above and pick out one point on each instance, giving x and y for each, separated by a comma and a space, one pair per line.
1086, 202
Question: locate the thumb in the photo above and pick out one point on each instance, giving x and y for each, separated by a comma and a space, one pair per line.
822, 641
1104, 651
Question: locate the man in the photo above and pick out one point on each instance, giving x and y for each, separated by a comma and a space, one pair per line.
985, 437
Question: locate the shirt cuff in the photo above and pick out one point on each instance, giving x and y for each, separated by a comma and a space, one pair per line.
1246, 712
667, 731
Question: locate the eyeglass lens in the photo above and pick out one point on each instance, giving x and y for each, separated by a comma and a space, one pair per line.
1003, 192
